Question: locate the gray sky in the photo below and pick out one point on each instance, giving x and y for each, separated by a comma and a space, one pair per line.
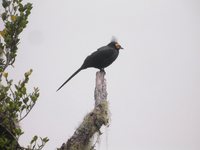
153, 86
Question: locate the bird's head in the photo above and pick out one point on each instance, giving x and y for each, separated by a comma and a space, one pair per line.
118, 46
115, 44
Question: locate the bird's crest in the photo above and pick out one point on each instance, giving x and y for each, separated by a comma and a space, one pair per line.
114, 39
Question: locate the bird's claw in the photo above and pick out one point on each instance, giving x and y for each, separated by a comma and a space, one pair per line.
102, 70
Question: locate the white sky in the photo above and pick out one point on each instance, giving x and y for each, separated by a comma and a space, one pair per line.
153, 86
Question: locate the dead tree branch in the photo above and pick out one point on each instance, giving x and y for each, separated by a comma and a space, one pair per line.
99, 116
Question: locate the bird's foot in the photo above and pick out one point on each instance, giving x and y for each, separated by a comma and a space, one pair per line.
102, 70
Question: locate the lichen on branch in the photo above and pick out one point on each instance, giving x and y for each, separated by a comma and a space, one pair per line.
93, 121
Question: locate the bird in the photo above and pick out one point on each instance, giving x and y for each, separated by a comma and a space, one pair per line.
100, 59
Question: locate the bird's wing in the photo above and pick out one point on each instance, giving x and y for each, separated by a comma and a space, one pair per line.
104, 52
99, 56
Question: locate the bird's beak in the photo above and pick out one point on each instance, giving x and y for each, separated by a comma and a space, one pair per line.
120, 47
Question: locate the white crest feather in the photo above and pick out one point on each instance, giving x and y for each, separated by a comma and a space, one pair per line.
113, 39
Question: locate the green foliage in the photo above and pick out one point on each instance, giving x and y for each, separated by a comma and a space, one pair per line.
15, 18
15, 101
34, 143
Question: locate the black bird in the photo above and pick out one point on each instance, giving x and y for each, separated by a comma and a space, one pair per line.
100, 59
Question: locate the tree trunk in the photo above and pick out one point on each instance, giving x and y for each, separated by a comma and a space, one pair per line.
93, 121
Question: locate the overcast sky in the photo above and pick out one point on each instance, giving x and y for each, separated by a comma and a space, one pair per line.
153, 86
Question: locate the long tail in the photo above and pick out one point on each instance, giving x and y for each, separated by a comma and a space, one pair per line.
70, 78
